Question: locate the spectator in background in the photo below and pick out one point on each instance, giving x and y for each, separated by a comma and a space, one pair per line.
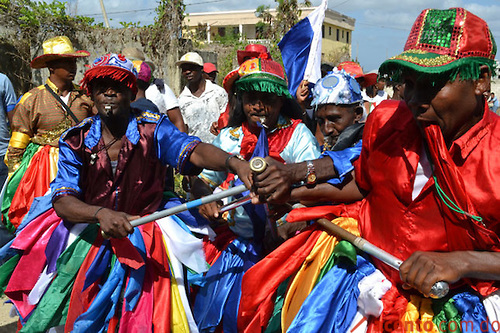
493, 101
201, 102
40, 117
374, 94
143, 79
210, 71
158, 92
7, 103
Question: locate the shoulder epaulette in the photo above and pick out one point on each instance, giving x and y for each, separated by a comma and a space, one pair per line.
84, 123
148, 117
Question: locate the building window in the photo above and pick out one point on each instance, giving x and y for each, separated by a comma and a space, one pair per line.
221, 31
338, 35
342, 34
329, 31
347, 37
322, 31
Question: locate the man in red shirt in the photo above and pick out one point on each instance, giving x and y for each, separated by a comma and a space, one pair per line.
427, 170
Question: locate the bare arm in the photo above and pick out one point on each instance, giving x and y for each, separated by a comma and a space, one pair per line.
423, 269
210, 157
275, 183
325, 192
175, 116
114, 224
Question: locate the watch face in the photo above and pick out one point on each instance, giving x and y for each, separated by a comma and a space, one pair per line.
311, 179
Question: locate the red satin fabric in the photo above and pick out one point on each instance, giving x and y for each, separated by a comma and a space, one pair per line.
277, 139
258, 293
80, 299
33, 240
35, 183
392, 145
158, 273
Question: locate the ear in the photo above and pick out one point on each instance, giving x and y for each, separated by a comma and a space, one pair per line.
359, 113
483, 84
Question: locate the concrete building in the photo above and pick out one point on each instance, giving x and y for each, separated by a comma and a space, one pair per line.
337, 28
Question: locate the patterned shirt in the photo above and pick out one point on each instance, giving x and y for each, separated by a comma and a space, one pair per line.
43, 119
200, 112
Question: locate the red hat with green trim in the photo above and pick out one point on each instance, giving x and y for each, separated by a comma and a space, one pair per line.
262, 75
445, 42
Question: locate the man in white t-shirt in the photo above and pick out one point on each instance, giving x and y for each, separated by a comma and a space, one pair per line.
201, 102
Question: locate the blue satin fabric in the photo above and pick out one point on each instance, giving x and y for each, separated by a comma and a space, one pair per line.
172, 148
257, 213
219, 297
474, 317
295, 47
103, 307
134, 285
56, 246
332, 304
190, 217
342, 161
99, 265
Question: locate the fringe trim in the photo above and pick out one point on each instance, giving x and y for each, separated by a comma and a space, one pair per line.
263, 84
112, 72
468, 68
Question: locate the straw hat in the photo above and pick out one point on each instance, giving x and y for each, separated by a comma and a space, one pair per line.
190, 58
57, 48
133, 53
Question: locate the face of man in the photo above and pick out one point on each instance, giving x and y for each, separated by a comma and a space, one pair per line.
262, 107
63, 69
191, 72
334, 119
454, 106
111, 98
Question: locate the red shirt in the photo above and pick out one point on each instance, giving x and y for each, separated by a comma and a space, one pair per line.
389, 218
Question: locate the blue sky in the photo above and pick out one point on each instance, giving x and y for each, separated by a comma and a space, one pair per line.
381, 29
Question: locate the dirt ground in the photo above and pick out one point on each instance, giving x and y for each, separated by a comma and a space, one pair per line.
7, 323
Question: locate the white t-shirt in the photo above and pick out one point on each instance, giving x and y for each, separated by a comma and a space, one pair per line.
200, 112
163, 98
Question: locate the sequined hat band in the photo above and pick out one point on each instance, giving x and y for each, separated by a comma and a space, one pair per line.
447, 42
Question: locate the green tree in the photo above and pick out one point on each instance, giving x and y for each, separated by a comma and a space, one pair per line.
274, 27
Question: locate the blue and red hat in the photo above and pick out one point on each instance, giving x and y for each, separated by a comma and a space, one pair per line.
113, 66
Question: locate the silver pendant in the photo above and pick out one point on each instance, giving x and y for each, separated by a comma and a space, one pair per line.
93, 158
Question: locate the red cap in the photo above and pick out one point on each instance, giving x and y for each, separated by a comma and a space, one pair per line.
208, 67
353, 68
253, 51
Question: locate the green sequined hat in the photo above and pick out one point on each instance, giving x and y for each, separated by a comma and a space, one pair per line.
445, 43
264, 75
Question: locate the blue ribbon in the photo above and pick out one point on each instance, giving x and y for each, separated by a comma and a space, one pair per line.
332, 304
99, 265
103, 308
257, 213
474, 317
219, 297
342, 161
55, 246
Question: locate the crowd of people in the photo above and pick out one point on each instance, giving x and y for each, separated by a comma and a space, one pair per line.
412, 173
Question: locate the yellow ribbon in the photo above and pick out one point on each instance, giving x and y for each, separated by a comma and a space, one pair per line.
19, 140
418, 316
306, 278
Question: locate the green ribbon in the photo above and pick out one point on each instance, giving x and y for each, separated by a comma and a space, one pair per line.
446, 316
13, 183
52, 309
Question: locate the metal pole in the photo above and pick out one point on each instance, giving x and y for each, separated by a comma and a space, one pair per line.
104, 15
